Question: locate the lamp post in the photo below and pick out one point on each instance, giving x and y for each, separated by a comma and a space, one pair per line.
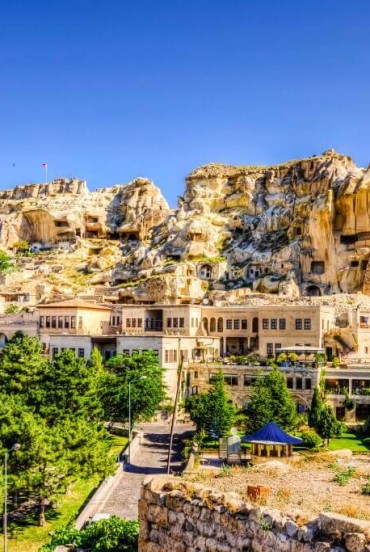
129, 415
16, 446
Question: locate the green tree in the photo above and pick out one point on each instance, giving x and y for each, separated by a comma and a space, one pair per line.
96, 362
221, 411
22, 368
69, 389
147, 387
271, 401
328, 425
212, 412
6, 262
317, 406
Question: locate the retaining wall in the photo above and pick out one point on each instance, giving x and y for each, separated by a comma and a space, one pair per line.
177, 516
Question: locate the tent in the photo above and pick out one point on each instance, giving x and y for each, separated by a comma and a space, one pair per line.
271, 440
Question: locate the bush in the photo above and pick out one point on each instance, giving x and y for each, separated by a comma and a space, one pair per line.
311, 439
343, 477
365, 489
108, 535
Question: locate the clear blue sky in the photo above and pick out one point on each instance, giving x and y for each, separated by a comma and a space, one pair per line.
109, 90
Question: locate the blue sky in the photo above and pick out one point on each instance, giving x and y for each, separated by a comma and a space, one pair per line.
109, 90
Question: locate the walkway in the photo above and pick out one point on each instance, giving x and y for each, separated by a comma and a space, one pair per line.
150, 458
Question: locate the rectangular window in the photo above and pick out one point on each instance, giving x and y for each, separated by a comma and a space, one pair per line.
289, 383
113, 323
244, 324
308, 383
274, 323
231, 379
128, 322
118, 320
139, 322
66, 321
277, 346
166, 356
73, 322
81, 352
48, 321
195, 375
265, 324
366, 350
298, 323
175, 355
133, 322
126, 351
307, 323
236, 324
80, 322
42, 318
169, 322
248, 380
229, 324
175, 322
60, 322
53, 321
182, 322
270, 349
55, 351
298, 383
282, 324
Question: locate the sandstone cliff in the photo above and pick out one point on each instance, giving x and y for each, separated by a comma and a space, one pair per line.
301, 227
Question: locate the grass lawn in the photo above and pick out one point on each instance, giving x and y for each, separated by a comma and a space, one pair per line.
352, 441
26, 536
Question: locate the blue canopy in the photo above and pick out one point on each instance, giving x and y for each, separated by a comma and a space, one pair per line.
272, 434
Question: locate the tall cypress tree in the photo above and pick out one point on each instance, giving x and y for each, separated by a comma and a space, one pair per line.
317, 406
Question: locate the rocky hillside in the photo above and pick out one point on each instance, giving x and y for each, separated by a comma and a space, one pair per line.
301, 227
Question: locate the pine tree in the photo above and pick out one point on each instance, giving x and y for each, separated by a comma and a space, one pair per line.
69, 390
220, 413
212, 412
271, 401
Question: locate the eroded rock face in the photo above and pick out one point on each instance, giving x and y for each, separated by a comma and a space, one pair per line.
301, 227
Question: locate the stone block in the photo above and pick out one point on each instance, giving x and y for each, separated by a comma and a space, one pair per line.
256, 493
355, 542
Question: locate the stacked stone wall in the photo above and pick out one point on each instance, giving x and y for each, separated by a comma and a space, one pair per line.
177, 516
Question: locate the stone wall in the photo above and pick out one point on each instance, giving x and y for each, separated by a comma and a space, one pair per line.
177, 516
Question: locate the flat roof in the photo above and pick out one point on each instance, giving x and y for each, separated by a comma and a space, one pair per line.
73, 304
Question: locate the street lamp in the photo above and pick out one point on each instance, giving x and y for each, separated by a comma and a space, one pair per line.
129, 415
16, 446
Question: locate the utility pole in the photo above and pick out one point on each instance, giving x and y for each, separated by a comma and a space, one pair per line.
177, 397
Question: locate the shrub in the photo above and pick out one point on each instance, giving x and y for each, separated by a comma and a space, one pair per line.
311, 439
343, 477
365, 489
108, 535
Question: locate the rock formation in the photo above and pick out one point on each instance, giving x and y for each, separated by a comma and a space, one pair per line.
301, 227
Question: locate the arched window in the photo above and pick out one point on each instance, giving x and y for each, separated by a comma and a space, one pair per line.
255, 325
213, 325
220, 325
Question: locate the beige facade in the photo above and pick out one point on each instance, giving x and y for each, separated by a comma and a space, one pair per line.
200, 335
73, 317
301, 381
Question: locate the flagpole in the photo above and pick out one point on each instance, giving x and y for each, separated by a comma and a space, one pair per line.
46, 174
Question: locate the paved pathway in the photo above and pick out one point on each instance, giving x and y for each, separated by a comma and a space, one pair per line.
150, 458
